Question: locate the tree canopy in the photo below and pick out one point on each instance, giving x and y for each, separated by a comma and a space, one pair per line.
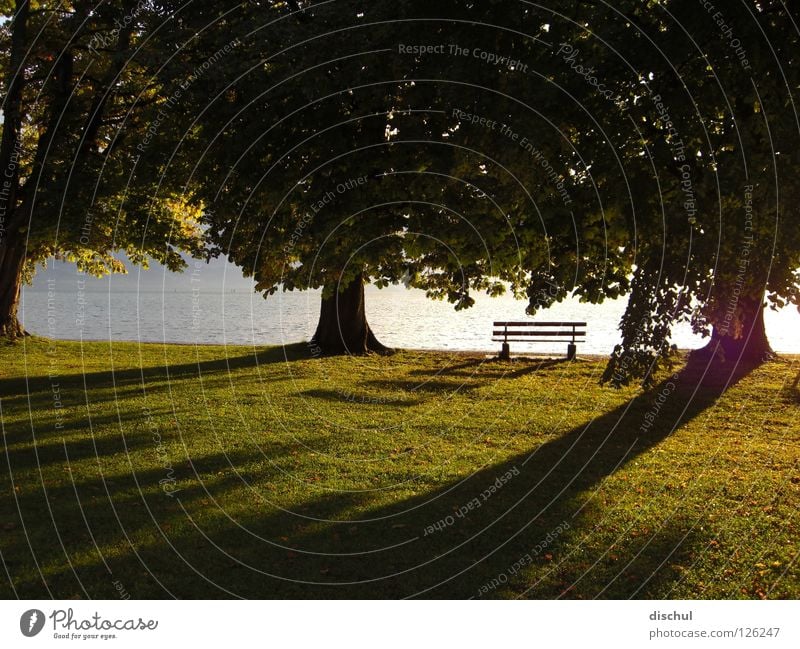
582, 148
344, 143
84, 176
717, 130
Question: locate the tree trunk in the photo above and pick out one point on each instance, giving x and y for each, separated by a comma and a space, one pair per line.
12, 247
12, 261
746, 342
343, 327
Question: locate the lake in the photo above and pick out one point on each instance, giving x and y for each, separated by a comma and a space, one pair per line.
69, 306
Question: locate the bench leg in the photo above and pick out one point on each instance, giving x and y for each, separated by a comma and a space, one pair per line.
505, 352
572, 349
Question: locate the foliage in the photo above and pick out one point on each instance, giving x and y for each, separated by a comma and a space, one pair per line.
89, 184
602, 151
331, 152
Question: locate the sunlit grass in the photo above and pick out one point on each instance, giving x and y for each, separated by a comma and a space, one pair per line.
214, 472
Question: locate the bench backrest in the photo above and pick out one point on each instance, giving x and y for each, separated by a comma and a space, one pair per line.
523, 330
539, 324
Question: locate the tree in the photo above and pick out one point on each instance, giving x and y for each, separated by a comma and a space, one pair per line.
80, 179
325, 167
717, 123
579, 149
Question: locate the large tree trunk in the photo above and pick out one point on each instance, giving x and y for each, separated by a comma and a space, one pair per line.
746, 342
12, 261
343, 326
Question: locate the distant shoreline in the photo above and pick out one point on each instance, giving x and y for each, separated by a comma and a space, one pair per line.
462, 352
531, 355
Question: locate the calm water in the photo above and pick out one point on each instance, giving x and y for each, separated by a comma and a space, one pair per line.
399, 317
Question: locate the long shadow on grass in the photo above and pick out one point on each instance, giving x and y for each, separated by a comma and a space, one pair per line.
39, 394
132, 515
465, 377
361, 399
23, 387
795, 388
493, 368
518, 528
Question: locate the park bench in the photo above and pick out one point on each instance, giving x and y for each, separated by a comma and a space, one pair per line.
536, 332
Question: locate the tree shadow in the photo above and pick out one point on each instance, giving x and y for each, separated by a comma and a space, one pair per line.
425, 387
26, 386
519, 524
494, 368
360, 399
57, 427
60, 452
464, 377
794, 390
38, 394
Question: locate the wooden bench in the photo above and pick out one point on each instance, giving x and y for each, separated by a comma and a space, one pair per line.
538, 332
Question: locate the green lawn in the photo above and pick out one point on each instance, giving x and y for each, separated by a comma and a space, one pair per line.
157, 471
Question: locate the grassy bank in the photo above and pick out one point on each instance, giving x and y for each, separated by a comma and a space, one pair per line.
155, 471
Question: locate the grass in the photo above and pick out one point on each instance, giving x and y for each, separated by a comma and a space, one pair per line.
157, 471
